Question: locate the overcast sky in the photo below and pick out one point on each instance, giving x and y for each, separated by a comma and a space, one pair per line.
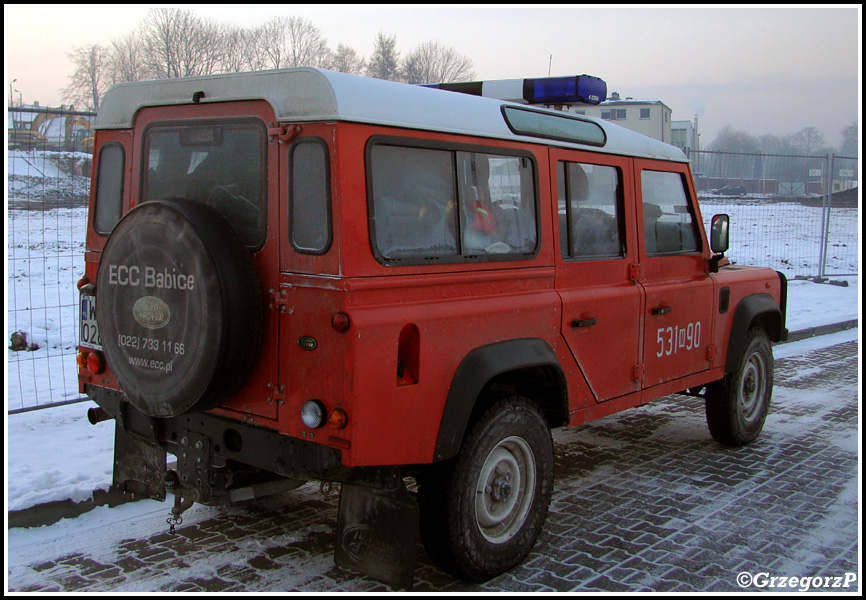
762, 70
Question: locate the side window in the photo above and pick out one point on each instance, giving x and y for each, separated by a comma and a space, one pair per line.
451, 205
310, 197
109, 188
669, 225
497, 205
590, 211
414, 202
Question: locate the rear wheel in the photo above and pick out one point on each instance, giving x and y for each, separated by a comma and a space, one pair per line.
482, 512
737, 405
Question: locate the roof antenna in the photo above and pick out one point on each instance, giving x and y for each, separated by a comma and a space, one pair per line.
549, 65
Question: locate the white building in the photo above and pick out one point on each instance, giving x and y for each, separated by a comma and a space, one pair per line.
684, 135
649, 117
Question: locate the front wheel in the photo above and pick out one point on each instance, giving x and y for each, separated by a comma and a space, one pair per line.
737, 406
482, 512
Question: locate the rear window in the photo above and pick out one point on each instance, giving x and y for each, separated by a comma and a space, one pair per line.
221, 164
449, 205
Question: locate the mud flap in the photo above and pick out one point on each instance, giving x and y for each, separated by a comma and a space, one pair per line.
377, 533
139, 467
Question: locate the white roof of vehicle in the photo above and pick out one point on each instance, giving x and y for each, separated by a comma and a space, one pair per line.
307, 94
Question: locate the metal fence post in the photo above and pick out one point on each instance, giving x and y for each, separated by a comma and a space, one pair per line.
825, 217
822, 257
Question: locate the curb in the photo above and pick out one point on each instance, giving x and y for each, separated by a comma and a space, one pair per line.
51, 512
802, 334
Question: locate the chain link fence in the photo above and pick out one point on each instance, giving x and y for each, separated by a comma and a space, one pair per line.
48, 183
796, 214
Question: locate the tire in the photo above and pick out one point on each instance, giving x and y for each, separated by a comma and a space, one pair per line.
737, 405
482, 512
179, 307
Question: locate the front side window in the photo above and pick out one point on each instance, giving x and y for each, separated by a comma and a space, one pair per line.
220, 164
669, 225
590, 211
109, 188
451, 206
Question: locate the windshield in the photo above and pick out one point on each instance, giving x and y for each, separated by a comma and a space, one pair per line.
220, 164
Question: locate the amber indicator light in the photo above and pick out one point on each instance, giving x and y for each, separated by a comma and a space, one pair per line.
337, 419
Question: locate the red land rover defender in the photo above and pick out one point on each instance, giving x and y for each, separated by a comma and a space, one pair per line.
298, 274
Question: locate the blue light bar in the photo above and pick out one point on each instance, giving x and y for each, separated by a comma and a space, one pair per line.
557, 90
541, 90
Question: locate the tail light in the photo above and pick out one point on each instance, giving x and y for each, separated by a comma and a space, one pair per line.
93, 361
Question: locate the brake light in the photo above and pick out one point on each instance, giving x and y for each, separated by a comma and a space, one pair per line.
95, 362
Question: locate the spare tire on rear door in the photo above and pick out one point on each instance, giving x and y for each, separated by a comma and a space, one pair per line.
179, 307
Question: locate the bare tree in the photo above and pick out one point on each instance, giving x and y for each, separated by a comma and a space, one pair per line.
238, 49
181, 44
383, 64
733, 140
432, 62
307, 47
849, 140
90, 79
271, 42
809, 141
346, 60
129, 60
292, 42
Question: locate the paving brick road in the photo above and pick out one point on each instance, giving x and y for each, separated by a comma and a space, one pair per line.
645, 501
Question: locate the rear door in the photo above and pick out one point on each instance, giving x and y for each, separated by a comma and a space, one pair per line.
602, 303
674, 274
220, 154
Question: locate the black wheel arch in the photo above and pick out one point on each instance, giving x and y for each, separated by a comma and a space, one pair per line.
754, 310
508, 365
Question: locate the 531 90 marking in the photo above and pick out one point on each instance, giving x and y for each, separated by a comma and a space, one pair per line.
673, 339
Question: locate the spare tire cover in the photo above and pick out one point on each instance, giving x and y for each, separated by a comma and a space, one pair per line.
178, 307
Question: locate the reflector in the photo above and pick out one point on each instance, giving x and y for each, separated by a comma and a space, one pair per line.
340, 322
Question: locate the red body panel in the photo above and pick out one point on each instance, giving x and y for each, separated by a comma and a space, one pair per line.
429, 317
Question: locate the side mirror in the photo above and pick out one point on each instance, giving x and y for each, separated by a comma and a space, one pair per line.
719, 233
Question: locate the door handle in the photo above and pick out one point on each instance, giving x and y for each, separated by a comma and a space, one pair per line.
662, 310
583, 323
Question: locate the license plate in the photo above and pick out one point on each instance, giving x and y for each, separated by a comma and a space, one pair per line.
89, 330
